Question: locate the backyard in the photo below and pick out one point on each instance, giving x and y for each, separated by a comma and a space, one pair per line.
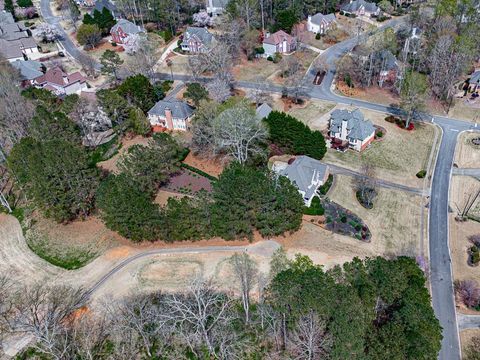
397, 158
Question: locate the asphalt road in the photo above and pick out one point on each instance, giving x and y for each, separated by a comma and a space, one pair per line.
440, 266
466, 172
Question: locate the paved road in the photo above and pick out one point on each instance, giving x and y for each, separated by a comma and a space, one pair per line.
468, 321
466, 172
65, 41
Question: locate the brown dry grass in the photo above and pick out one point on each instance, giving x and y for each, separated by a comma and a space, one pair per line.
397, 158
466, 337
162, 197
394, 222
467, 155
374, 93
310, 113
212, 167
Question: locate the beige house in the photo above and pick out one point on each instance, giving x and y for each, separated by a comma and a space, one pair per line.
351, 128
170, 115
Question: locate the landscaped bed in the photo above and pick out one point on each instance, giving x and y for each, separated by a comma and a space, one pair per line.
188, 182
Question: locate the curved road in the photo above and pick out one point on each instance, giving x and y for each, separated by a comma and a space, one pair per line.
440, 263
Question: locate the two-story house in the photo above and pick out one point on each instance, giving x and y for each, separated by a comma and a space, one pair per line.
279, 42
361, 7
170, 115
320, 24
61, 83
123, 29
197, 40
352, 128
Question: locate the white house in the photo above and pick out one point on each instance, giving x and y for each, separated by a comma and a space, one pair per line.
306, 173
170, 115
279, 42
61, 83
361, 7
351, 127
320, 24
216, 7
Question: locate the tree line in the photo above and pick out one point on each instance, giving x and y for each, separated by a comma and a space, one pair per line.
366, 309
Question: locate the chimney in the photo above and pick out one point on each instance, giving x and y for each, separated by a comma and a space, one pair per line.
267, 34
169, 119
309, 18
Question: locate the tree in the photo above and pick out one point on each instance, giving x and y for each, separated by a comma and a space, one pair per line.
202, 19
132, 44
47, 126
139, 92
115, 105
279, 262
138, 122
9, 6
202, 131
89, 35
128, 210
151, 166
365, 186
468, 292
196, 92
285, 20
294, 137
239, 133
110, 61
48, 33
219, 90
57, 176
246, 272
412, 94
144, 58
386, 6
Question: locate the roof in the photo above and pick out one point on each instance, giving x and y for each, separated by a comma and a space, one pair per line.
387, 59
10, 49
358, 127
58, 77
13, 31
221, 4
127, 26
202, 34
263, 111
28, 69
319, 18
278, 37
306, 173
355, 5
475, 78
6, 17
180, 109
100, 4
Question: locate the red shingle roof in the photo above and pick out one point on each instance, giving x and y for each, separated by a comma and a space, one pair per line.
278, 38
59, 77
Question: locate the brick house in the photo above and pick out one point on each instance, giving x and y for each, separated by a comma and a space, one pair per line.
351, 128
61, 83
170, 115
279, 42
122, 29
197, 40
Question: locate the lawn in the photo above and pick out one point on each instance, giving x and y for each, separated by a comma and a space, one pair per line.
179, 65
394, 222
467, 155
310, 113
258, 70
398, 157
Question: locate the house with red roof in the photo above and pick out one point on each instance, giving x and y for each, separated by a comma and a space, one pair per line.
61, 83
279, 42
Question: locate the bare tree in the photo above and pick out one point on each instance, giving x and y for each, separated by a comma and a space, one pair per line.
310, 339
144, 59
365, 185
219, 90
245, 271
470, 196
468, 292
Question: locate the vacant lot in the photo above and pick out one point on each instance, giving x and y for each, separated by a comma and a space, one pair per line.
259, 70
397, 158
179, 65
467, 155
310, 113
394, 222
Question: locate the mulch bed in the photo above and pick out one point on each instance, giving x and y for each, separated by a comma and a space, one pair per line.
188, 182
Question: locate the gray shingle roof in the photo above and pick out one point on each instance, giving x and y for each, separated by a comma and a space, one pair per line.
180, 109
100, 4
306, 173
359, 128
201, 33
127, 26
28, 69
263, 110
475, 78
10, 49
219, 3
6, 17
357, 4
387, 60
317, 19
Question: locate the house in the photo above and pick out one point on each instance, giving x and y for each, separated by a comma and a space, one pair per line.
101, 4
197, 40
29, 70
13, 31
361, 7
16, 42
320, 24
6, 17
352, 128
279, 42
306, 173
474, 82
11, 51
388, 66
85, 3
412, 42
216, 7
170, 115
61, 83
122, 29
263, 111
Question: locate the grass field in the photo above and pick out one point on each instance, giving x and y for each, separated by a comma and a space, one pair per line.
311, 112
467, 155
398, 157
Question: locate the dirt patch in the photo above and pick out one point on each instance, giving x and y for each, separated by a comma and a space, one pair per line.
381, 95
212, 167
466, 337
397, 158
111, 164
467, 155
187, 182
162, 197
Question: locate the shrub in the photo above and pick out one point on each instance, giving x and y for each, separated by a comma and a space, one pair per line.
260, 50
325, 187
474, 255
379, 134
114, 43
198, 171
348, 81
475, 239
421, 174
390, 119
277, 58
343, 219
269, 58
341, 12
24, 3
315, 208
318, 36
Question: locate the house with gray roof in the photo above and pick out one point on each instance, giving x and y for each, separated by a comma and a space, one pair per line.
197, 40
388, 65
474, 82
361, 7
123, 29
29, 70
170, 114
306, 173
216, 7
263, 111
351, 128
320, 24
6, 17
16, 42
106, 4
